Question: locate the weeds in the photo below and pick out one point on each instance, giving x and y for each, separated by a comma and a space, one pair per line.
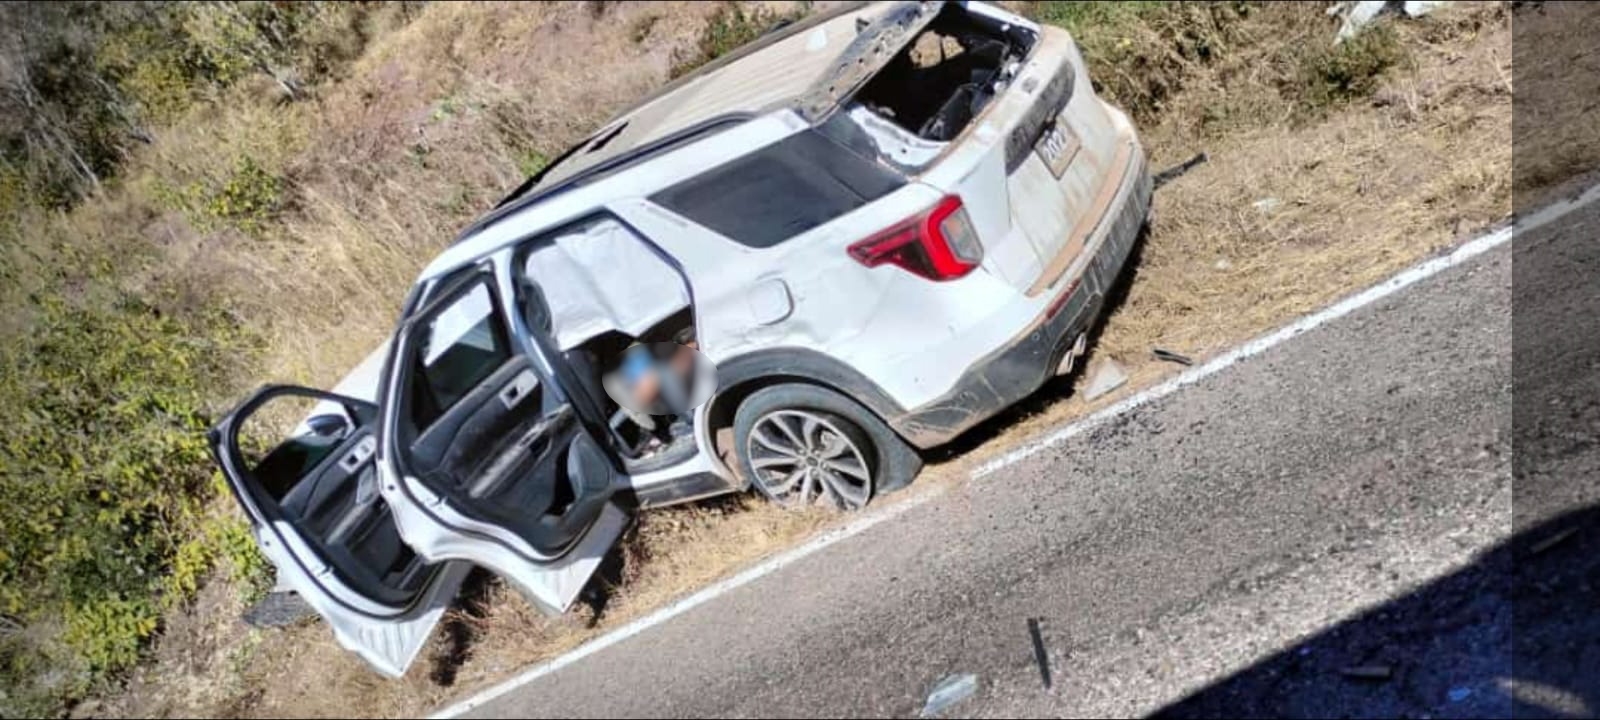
104, 475
1267, 63
1142, 53
641, 29
1349, 70
246, 199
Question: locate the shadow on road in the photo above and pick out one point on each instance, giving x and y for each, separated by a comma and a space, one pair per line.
1515, 634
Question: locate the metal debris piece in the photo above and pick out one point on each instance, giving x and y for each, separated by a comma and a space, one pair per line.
1356, 16
949, 691
1418, 8
1174, 172
1368, 672
278, 609
1552, 541
1170, 356
1106, 376
1039, 654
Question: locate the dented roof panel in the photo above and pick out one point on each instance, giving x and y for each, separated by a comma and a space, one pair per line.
780, 71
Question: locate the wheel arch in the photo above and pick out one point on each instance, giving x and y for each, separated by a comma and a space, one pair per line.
740, 376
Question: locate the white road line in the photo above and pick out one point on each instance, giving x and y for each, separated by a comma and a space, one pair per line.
1405, 278
1415, 273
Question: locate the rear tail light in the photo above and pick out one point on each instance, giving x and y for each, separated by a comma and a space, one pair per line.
939, 244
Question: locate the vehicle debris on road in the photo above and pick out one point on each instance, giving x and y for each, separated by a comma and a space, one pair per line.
1040, 656
1170, 356
1543, 545
1176, 171
1368, 672
1107, 376
949, 691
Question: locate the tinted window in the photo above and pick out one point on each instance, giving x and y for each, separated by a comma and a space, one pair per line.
780, 191
462, 345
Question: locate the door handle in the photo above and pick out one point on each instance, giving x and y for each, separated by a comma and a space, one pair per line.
518, 389
361, 453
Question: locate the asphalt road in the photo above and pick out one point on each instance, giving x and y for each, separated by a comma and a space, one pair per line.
1325, 529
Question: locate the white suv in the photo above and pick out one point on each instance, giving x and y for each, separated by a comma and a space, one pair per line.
883, 224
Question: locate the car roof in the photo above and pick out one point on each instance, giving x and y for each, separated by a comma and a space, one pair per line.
805, 67
775, 69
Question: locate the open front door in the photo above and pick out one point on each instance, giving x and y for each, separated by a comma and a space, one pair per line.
493, 461
301, 462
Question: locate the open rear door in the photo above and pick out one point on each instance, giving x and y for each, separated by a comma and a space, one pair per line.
493, 460
301, 463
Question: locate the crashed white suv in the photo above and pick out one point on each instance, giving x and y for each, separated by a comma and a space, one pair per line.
882, 224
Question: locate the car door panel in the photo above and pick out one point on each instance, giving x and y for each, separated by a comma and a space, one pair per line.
504, 473
319, 519
467, 436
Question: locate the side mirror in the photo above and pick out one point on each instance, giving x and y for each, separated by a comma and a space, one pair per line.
328, 425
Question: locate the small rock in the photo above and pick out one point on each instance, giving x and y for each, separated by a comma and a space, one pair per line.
1107, 376
949, 691
1224, 264
1368, 672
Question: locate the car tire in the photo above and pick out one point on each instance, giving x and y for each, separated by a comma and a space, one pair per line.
846, 438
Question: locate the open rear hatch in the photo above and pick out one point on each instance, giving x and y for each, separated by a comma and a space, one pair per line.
917, 79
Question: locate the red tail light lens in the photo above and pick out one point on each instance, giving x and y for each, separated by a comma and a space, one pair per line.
939, 244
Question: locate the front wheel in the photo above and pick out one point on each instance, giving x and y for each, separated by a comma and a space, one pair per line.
803, 445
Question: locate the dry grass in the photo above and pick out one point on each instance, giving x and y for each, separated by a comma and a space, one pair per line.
210, 664
436, 119
1556, 136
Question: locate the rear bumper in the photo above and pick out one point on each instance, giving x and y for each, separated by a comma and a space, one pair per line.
1013, 372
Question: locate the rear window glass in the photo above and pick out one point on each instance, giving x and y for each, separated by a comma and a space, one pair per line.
780, 191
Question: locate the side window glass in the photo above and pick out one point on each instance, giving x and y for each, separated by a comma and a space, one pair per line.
462, 345
780, 191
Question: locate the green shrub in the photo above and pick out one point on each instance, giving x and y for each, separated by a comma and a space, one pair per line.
108, 633
1080, 17
1141, 53
105, 475
530, 162
247, 199
1352, 69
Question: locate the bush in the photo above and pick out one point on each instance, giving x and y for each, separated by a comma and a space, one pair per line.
246, 199
105, 474
1142, 53
1349, 70
1244, 64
